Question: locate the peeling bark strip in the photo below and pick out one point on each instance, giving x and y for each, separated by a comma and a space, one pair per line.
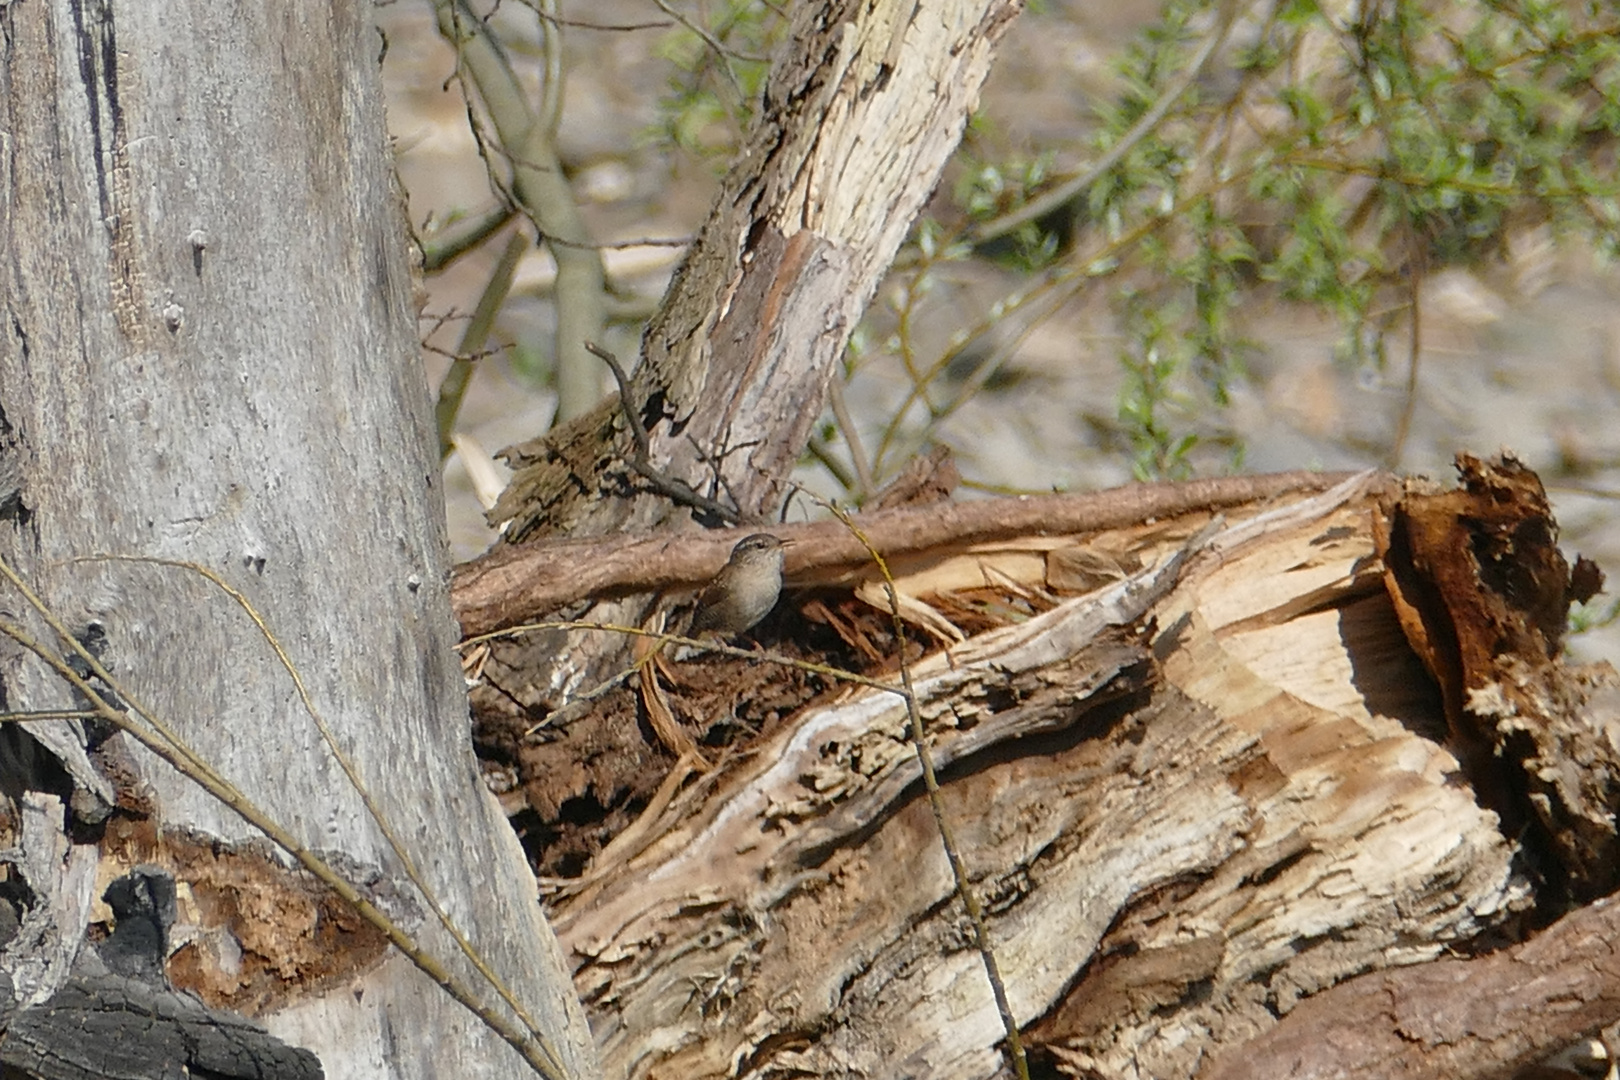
858, 118
1191, 799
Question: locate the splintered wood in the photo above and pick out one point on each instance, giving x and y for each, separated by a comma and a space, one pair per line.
1483, 593
1216, 783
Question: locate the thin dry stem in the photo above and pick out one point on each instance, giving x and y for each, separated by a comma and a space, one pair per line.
936, 802
1069, 189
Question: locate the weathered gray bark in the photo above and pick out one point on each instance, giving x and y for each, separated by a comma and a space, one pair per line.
208, 354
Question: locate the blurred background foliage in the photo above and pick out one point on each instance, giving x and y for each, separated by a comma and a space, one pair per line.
1204, 236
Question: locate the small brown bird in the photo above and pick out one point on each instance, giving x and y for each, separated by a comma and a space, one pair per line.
745, 589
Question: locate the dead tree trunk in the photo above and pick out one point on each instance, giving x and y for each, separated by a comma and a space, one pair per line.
858, 117
1206, 769
209, 356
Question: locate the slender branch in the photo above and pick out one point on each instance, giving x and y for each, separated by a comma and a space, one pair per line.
921, 381
818, 449
677, 491
638, 430
852, 439
634, 242
458, 239
47, 714
551, 88
714, 44
1071, 188
970, 387
580, 24
1418, 182
453, 388
918, 390
542, 192
1403, 427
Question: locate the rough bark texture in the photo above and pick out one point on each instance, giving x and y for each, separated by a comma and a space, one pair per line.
1485, 1018
1201, 779
858, 118
1483, 594
208, 354
114, 1026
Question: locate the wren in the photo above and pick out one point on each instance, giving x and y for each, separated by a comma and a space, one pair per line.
745, 589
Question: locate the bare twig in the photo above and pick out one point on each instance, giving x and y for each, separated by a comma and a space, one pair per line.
1403, 427
1069, 189
720, 51
458, 239
927, 255
716, 463
818, 448
549, 112
852, 439
619, 245
677, 491
451, 354
638, 430
48, 714
453, 388
581, 24
982, 374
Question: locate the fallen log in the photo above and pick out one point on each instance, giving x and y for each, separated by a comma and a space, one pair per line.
1199, 773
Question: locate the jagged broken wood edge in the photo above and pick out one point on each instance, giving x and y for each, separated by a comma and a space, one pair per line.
801, 916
